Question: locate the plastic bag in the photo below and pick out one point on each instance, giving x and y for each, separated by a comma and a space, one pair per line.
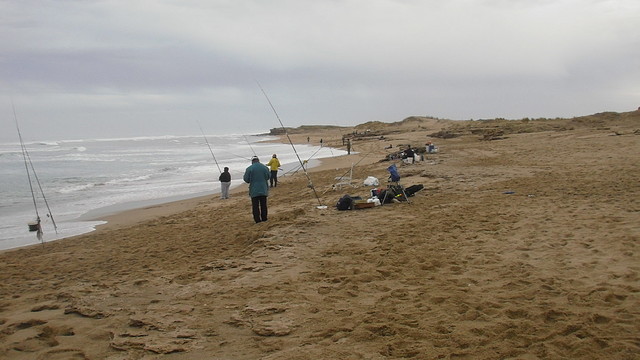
371, 181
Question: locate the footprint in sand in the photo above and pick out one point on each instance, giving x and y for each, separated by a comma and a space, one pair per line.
63, 354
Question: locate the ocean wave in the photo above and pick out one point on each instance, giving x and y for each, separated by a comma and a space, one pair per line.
76, 188
133, 138
144, 138
10, 153
90, 185
128, 180
86, 155
47, 143
9, 203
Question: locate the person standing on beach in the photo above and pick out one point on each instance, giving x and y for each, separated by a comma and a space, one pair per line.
225, 183
257, 176
410, 154
273, 165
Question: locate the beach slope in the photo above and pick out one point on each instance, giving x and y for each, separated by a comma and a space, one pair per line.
523, 244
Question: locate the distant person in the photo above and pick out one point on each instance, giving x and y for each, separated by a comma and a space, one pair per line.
257, 176
274, 165
308, 139
320, 142
225, 183
410, 155
348, 146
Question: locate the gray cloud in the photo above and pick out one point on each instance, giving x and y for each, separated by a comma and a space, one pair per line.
118, 68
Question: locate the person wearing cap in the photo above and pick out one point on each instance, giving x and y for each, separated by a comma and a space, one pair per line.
257, 176
273, 165
225, 183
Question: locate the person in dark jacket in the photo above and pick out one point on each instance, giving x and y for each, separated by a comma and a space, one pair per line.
225, 183
409, 154
257, 176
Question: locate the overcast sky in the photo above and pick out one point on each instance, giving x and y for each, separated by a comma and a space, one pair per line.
96, 69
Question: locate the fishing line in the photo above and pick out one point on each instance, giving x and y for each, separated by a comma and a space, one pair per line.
209, 146
292, 146
26, 165
236, 155
27, 160
306, 161
248, 143
353, 165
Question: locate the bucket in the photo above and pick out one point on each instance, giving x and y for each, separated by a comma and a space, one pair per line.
33, 226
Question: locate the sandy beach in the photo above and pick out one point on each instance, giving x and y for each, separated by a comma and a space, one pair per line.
523, 244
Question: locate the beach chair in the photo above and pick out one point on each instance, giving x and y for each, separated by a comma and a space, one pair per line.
394, 188
344, 180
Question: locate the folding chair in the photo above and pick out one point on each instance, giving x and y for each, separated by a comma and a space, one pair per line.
394, 188
344, 180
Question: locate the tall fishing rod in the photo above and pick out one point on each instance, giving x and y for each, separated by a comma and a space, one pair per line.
27, 160
209, 146
292, 146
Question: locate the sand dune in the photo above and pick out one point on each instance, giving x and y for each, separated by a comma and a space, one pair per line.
523, 247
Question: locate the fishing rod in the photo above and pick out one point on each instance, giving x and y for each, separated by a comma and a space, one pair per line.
292, 146
28, 163
209, 146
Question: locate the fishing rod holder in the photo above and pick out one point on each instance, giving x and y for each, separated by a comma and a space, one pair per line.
34, 225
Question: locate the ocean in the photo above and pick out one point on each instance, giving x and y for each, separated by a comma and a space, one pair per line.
85, 179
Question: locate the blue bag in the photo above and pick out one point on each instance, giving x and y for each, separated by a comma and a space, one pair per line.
393, 170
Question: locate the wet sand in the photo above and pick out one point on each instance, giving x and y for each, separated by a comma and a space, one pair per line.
523, 244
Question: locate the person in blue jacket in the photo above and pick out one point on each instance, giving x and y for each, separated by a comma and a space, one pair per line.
257, 176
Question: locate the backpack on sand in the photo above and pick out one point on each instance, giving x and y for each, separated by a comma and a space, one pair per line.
346, 202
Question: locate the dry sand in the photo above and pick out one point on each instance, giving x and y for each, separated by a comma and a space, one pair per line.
521, 247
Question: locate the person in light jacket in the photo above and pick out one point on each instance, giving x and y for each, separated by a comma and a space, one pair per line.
274, 165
